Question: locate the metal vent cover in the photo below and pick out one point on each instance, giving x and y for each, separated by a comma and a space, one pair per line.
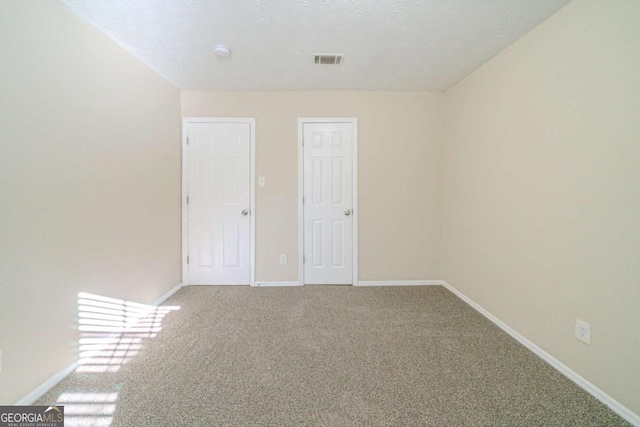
328, 58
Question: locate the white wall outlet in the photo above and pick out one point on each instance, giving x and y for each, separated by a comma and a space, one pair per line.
583, 331
261, 181
283, 259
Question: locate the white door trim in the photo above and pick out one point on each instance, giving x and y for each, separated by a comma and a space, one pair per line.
354, 128
186, 121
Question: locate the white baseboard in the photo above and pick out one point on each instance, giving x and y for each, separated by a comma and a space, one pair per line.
200, 284
164, 297
365, 283
267, 284
615, 406
39, 391
400, 283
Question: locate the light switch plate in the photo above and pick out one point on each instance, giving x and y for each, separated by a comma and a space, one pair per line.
261, 181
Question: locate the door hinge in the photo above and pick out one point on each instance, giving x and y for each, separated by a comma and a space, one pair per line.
187, 199
304, 259
187, 140
187, 259
303, 142
303, 200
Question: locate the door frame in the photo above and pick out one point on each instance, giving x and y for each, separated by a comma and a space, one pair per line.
186, 121
354, 148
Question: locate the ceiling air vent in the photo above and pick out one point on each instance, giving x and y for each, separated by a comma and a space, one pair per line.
329, 58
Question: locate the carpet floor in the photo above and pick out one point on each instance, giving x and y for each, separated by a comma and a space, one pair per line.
326, 356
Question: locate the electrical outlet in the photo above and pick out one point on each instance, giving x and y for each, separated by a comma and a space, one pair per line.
583, 331
283, 259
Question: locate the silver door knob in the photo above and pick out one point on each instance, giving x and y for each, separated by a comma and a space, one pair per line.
347, 212
245, 212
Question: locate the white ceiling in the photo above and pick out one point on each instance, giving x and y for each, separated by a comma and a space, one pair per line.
388, 44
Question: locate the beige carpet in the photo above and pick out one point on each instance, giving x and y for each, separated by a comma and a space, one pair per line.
329, 356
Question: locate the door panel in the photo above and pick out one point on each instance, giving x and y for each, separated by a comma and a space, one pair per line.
219, 189
338, 243
327, 184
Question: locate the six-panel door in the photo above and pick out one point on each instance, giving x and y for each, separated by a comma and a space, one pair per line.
327, 206
219, 175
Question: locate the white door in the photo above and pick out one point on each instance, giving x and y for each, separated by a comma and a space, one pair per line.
219, 201
327, 203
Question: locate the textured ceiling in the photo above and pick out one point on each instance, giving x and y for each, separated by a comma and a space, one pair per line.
388, 44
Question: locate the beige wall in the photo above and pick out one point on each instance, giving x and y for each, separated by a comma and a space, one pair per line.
399, 137
89, 184
541, 212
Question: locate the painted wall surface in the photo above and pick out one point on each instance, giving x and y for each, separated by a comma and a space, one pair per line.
541, 212
89, 184
399, 137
